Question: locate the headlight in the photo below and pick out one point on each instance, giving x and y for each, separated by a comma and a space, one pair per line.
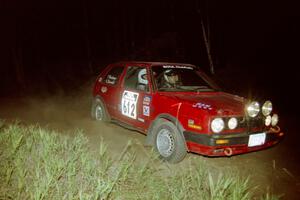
232, 123
275, 120
268, 120
267, 108
253, 109
217, 125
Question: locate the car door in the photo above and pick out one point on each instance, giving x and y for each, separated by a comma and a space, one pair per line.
110, 88
136, 97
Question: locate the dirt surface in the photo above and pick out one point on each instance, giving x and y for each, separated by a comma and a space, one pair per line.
275, 169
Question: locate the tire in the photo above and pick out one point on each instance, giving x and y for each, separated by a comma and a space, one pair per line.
169, 142
99, 112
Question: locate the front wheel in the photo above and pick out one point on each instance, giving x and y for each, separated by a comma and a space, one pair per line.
169, 142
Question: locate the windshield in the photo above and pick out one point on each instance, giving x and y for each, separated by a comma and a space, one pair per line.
181, 78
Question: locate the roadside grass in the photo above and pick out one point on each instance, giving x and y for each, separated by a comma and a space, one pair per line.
37, 163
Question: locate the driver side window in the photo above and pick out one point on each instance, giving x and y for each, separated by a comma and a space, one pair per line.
136, 79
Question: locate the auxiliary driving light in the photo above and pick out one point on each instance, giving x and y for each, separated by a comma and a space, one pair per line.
274, 120
253, 109
267, 108
268, 120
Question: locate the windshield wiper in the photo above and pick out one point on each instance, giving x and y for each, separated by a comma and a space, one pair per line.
203, 88
173, 89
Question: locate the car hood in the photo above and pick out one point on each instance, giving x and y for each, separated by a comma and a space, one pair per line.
216, 102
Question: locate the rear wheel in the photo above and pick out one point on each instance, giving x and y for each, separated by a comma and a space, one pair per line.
169, 142
99, 112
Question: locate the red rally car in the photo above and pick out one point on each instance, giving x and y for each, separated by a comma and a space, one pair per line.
181, 110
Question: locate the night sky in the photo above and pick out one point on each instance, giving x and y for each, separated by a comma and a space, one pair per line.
49, 44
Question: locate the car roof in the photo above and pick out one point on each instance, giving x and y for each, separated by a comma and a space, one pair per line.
153, 63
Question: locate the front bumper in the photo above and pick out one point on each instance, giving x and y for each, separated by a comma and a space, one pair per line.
228, 144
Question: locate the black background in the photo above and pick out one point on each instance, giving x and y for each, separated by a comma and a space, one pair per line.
46, 45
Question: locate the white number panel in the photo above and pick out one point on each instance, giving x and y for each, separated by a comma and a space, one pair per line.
129, 104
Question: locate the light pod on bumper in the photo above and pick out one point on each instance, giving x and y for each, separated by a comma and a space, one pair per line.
274, 120
217, 125
253, 109
268, 120
267, 108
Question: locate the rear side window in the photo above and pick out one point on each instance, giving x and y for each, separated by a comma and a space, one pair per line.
113, 75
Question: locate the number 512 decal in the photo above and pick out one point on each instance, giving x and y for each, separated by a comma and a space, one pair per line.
129, 103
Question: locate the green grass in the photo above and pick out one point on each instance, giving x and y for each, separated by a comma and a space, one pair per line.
37, 163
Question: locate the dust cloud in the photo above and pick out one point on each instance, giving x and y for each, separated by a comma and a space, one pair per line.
67, 113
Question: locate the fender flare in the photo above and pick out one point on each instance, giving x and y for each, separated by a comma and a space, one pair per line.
100, 99
164, 116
